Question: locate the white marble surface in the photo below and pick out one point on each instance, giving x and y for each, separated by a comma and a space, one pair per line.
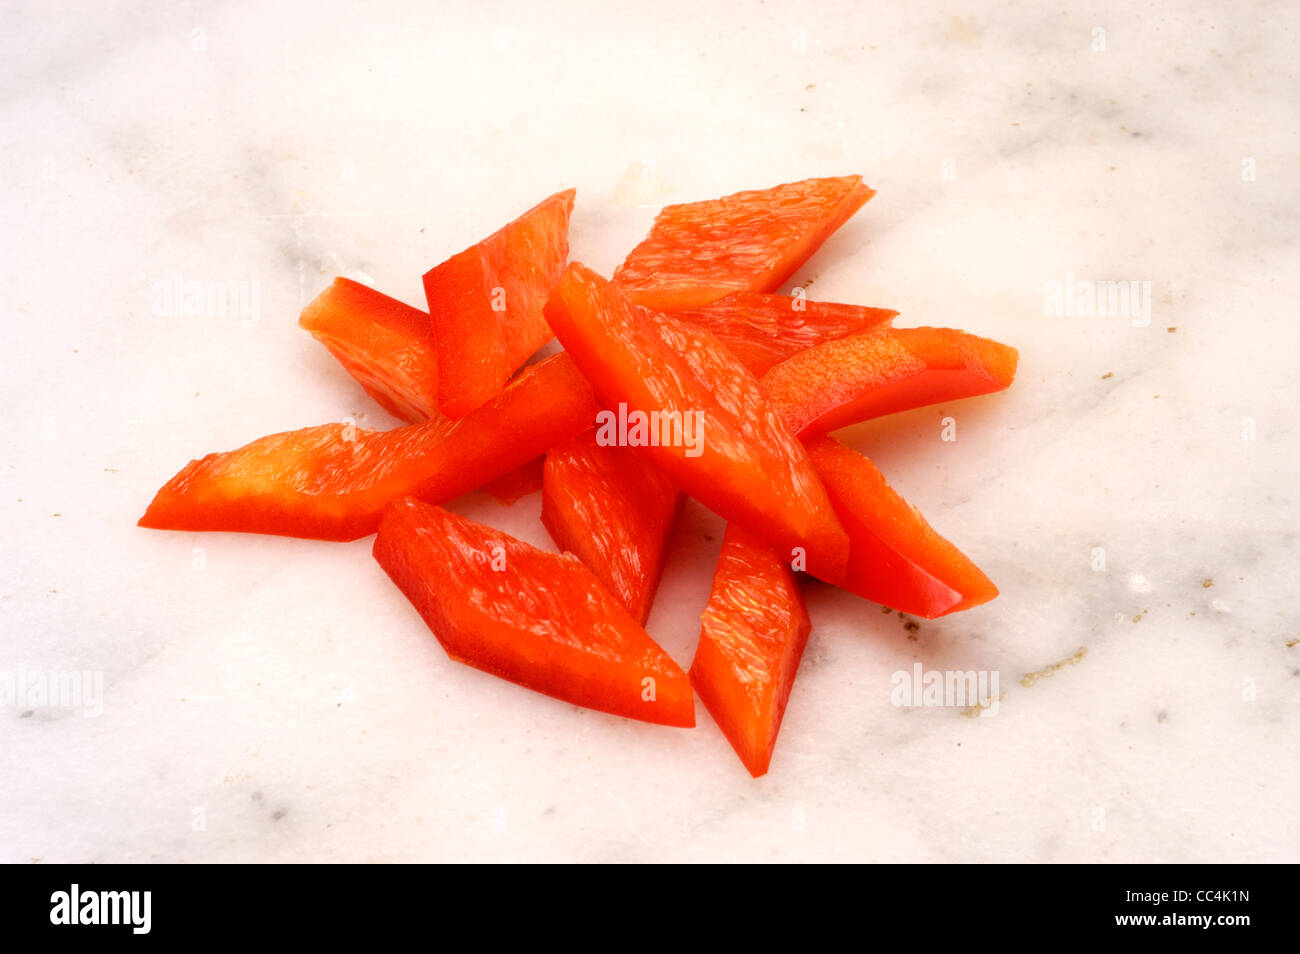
276, 700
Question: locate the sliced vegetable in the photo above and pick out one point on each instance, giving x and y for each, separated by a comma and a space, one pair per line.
486, 304
539, 619
385, 344
684, 374
753, 635
704, 419
511, 487
896, 558
879, 372
611, 507
751, 241
762, 330
332, 482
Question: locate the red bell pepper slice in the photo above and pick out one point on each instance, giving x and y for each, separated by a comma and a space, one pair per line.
486, 303
750, 241
753, 634
880, 372
729, 450
615, 511
538, 619
762, 330
332, 482
896, 559
387, 346
511, 487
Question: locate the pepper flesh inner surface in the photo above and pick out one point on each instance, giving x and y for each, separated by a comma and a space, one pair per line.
699, 252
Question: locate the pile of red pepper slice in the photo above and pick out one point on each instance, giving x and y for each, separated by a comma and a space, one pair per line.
684, 374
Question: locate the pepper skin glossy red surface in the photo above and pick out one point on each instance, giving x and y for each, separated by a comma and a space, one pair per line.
333, 481
762, 330
741, 461
896, 557
535, 618
884, 371
614, 510
485, 304
752, 637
